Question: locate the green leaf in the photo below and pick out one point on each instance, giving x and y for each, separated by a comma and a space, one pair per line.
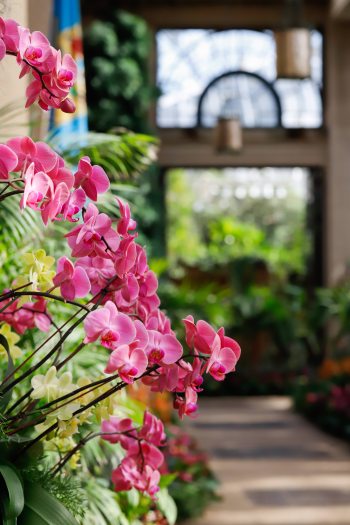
5, 399
43, 509
13, 504
167, 506
167, 480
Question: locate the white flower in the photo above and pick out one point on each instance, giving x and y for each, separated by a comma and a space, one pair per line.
45, 386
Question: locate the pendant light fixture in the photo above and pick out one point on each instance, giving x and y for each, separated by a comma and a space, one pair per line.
228, 129
293, 43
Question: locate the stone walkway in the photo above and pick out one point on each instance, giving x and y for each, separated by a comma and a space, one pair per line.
275, 468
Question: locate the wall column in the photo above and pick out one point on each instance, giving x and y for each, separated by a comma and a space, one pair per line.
12, 90
338, 172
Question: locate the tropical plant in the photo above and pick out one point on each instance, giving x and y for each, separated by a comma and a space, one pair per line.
117, 46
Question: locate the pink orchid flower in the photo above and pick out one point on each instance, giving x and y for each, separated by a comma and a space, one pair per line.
2, 47
74, 205
53, 206
98, 269
9, 34
125, 222
199, 336
190, 374
95, 237
61, 174
126, 256
228, 342
111, 327
149, 454
39, 153
127, 475
129, 361
141, 266
129, 290
187, 406
65, 72
116, 430
223, 358
35, 49
93, 179
163, 349
40, 318
8, 161
166, 378
152, 430
33, 91
72, 281
27, 316
36, 187
160, 322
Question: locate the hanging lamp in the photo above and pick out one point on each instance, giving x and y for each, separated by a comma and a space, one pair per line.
228, 129
293, 43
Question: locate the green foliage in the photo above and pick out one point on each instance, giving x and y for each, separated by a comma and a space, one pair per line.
116, 47
66, 490
43, 509
19, 232
167, 505
325, 402
193, 498
123, 154
103, 507
12, 496
6, 398
221, 230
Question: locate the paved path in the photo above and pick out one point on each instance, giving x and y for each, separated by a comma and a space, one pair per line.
275, 468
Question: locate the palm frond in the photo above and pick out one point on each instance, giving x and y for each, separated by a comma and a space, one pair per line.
102, 507
19, 232
12, 119
123, 155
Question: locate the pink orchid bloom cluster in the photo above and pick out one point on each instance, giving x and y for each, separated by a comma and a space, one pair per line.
107, 263
140, 467
52, 75
26, 316
108, 268
49, 186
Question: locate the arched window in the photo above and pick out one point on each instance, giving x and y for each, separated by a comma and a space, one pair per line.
240, 94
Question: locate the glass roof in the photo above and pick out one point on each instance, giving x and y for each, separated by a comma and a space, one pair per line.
189, 59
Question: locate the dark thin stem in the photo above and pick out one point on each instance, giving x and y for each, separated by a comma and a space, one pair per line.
17, 288
10, 193
40, 347
43, 294
70, 356
71, 453
8, 305
37, 439
92, 435
69, 398
100, 295
45, 358
94, 402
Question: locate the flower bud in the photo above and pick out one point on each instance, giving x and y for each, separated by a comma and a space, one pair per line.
67, 106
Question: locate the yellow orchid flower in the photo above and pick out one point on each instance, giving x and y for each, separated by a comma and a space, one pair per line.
12, 338
36, 270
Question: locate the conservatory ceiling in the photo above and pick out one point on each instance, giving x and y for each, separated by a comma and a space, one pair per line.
245, 3
214, 13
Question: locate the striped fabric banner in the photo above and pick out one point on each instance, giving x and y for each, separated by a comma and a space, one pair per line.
68, 38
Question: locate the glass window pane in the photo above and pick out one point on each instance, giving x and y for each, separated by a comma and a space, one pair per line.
189, 59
